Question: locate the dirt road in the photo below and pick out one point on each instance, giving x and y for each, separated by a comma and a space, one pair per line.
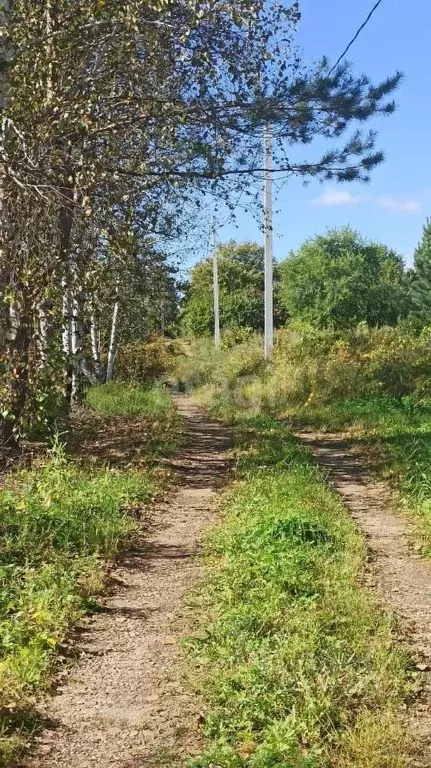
402, 577
124, 703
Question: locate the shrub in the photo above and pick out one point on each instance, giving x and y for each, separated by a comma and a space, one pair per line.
144, 363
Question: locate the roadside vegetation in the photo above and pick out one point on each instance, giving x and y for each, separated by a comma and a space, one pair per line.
296, 662
63, 522
354, 355
372, 384
394, 440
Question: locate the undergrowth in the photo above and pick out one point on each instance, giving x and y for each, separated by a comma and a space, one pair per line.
117, 398
371, 383
295, 660
145, 417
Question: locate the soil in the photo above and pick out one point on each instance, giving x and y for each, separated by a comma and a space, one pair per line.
401, 576
125, 704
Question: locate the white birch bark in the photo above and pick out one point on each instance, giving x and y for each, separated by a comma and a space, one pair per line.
76, 347
67, 320
95, 346
42, 335
113, 341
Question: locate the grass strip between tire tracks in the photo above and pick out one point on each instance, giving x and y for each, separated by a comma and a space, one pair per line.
296, 662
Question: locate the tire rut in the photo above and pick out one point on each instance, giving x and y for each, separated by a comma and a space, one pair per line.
402, 577
124, 704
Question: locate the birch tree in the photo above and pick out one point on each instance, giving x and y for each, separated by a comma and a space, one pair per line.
151, 103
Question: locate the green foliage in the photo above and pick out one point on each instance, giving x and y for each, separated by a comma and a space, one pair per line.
311, 366
371, 382
396, 434
58, 524
296, 662
341, 279
320, 366
147, 415
98, 169
420, 287
143, 363
241, 285
218, 373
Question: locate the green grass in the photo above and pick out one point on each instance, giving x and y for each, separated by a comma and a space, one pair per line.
140, 420
117, 398
296, 662
60, 524
397, 435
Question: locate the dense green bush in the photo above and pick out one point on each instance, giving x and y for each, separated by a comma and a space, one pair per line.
145, 362
340, 279
365, 361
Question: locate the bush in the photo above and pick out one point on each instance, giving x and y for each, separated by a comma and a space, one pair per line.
310, 366
144, 363
325, 366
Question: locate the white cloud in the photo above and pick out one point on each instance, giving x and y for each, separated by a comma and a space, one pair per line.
336, 197
399, 205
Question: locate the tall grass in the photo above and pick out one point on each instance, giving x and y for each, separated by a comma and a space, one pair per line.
119, 399
295, 660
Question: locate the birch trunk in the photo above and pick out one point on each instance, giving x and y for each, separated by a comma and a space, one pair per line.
76, 348
95, 347
113, 341
17, 348
43, 335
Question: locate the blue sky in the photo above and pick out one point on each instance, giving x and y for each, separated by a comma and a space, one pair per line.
394, 206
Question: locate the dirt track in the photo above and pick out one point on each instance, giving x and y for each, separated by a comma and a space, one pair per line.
402, 577
124, 703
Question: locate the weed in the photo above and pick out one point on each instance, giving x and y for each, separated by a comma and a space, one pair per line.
117, 398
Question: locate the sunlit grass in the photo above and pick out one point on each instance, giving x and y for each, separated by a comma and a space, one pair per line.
117, 398
398, 433
296, 662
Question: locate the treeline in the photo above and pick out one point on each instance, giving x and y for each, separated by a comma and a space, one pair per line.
334, 281
119, 122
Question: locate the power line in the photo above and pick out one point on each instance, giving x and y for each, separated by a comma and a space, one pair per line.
353, 40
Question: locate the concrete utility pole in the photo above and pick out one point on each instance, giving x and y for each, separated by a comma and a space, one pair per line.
269, 308
215, 286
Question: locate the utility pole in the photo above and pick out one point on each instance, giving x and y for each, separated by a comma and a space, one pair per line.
269, 302
215, 286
